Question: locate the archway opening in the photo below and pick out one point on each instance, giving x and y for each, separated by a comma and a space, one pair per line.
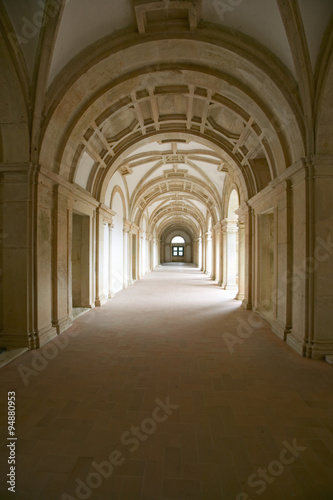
80, 262
178, 249
178, 239
266, 265
118, 248
209, 246
232, 243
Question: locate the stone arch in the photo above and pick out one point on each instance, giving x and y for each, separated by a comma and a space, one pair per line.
167, 246
118, 264
282, 148
118, 190
230, 185
14, 126
324, 101
233, 203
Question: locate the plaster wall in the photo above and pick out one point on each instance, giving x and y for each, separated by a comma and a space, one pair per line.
80, 261
117, 245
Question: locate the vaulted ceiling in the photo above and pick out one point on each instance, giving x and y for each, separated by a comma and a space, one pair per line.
168, 97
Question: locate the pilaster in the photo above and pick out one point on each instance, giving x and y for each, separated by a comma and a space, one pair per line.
111, 291
312, 296
62, 256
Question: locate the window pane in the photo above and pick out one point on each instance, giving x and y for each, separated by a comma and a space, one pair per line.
178, 239
181, 251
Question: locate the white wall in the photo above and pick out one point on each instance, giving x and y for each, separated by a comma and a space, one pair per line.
117, 244
106, 261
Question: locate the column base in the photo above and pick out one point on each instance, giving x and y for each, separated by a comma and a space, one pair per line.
280, 329
246, 304
296, 342
62, 324
17, 340
231, 287
319, 349
45, 335
31, 340
101, 300
240, 296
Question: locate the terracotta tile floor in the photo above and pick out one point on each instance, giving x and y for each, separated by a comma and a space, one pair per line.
233, 415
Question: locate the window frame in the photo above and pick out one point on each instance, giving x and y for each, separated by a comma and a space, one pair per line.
180, 250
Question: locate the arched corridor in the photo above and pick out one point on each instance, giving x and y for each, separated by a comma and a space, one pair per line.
166, 180
173, 337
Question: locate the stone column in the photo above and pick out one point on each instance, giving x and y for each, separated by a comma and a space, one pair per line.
241, 260
213, 252
282, 295
217, 252
248, 264
195, 252
320, 260
62, 259
101, 297
151, 247
224, 249
312, 298
208, 254
140, 253
111, 292
204, 248
125, 258
158, 250
232, 259
92, 258
219, 256
200, 263
147, 253
18, 214
162, 252
167, 254
130, 256
27, 251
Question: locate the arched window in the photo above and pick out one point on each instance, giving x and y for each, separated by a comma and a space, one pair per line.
232, 242
233, 205
178, 244
177, 239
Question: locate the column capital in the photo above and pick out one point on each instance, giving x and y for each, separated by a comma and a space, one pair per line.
229, 224
126, 226
105, 212
243, 209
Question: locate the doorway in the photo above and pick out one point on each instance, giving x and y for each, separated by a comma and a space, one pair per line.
178, 249
80, 261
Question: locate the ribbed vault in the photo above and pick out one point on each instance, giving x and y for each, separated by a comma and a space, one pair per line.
172, 123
